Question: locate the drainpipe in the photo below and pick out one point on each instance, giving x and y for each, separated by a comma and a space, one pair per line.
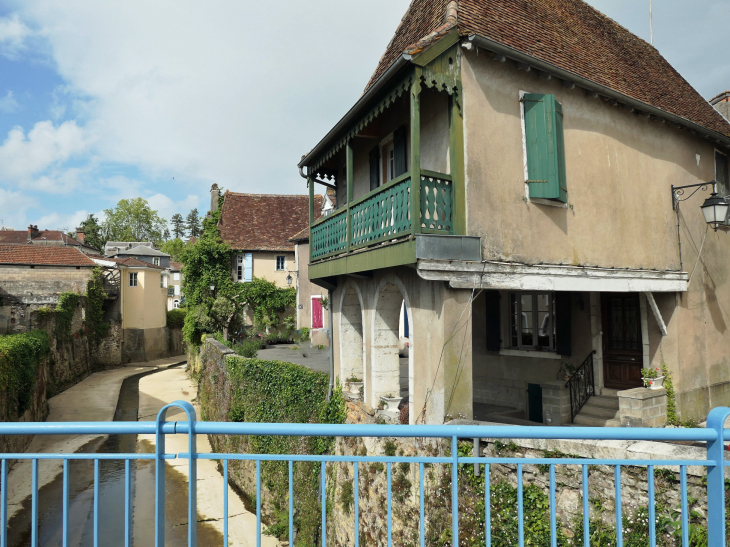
332, 344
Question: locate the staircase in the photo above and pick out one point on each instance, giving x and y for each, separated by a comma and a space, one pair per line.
599, 411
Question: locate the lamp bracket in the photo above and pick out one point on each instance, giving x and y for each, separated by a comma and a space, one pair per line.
680, 191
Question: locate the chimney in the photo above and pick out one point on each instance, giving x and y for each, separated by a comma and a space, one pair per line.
214, 195
722, 104
80, 234
32, 232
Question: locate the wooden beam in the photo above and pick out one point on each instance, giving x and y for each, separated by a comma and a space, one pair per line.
310, 184
657, 313
415, 167
349, 176
327, 184
456, 161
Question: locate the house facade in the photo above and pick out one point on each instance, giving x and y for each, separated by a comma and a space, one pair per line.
174, 286
310, 311
145, 254
514, 200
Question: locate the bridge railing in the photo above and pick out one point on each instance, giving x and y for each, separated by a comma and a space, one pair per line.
714, 463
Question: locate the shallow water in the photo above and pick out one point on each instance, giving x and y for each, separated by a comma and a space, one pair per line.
111, 495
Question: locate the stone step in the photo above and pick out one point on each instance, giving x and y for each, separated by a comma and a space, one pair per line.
602, 402
599, 412
595, 422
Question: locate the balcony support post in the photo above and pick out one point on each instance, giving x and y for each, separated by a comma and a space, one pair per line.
456, 161
416, 151
310, 185
349, 176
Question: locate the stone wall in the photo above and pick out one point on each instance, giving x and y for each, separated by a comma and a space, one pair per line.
140, 345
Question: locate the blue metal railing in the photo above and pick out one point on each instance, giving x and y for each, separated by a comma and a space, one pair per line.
714, 463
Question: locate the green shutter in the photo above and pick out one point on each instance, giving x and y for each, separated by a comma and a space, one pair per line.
399, 151
374, 168
545, 147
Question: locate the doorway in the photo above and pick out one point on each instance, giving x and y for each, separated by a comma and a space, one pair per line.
622, 343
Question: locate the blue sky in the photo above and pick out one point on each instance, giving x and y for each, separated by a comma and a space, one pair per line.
107, 100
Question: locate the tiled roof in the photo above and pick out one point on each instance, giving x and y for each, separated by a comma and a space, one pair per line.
300, 236
264, 222
570, 35
142, 250
132, 262
176, 266
51, 255
41, 237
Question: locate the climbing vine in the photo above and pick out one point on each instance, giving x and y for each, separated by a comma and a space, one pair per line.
65, 309
20, 355
98, 329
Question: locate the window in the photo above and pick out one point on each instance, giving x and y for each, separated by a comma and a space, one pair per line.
175, 303
721, 174
374, 168
244, 267
544, 147
162, 281
177, 290
176, 276
531, 321
393, 156
156, 260
133, 279
280, 263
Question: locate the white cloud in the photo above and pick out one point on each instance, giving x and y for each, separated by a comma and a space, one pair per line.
13, 33
13, 208
8, 103
56, 221
25, 159
167, 207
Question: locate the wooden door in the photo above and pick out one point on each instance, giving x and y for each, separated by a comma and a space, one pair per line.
317, 313
622, 345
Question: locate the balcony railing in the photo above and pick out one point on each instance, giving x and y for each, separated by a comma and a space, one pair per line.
453, 461
384, 214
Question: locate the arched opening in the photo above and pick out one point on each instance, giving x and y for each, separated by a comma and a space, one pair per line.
351, 348
390, 360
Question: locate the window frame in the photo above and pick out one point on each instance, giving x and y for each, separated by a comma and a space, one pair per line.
133, 277
727, 170
551, 328
283, 263
155, 260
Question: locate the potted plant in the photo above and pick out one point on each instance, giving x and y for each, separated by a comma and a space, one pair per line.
651, 378
391, 402
355, 384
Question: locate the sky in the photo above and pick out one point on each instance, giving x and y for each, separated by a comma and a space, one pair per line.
101, 101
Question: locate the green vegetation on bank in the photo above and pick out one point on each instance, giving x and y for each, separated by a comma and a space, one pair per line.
20, 355
255, 390
176, 318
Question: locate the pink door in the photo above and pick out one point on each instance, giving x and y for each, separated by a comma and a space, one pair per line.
317, 321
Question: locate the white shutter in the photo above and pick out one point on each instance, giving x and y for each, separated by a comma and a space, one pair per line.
248, 267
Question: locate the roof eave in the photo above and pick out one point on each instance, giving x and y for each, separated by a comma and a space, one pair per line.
585, 83
347, 119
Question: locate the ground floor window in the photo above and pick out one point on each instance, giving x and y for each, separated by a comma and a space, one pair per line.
133, 279
532, 320
175, 303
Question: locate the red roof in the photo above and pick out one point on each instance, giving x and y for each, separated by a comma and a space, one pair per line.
176, 266
51, 255
132, 262
41, 237
570, 35
264, 222
300, 236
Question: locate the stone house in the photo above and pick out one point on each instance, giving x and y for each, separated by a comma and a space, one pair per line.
112, 248
34, 276
145, 254
174, 286
54, 238
508, 186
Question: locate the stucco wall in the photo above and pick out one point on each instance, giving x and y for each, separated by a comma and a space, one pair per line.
433, 311
620, 167
143, 306
306, 289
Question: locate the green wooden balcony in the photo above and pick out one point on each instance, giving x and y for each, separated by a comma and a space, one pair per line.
386, 214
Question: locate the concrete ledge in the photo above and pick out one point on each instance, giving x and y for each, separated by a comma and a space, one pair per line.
642, 393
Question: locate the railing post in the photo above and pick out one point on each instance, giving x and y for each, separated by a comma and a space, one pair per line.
349, 174
310, 185
716, 478
416, 152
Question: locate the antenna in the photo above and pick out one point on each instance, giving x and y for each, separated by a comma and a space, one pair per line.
651, 26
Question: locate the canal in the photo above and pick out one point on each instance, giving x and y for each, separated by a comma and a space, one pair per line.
111, 494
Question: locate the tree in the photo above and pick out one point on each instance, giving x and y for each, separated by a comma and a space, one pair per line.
133, 220
173, 247
92, 234
192, 223
178, 225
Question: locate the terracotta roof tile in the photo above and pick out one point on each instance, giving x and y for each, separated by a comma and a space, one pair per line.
568, 34
176, 266
264, 222
302, 235
51, 255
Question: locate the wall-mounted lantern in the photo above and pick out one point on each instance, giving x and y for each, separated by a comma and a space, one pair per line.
714, 209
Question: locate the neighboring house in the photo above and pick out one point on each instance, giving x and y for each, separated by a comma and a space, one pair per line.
145, 254
721, 103
111, 248
310, 313
33, 277
505, 181
142, 305
34, 236
174, 293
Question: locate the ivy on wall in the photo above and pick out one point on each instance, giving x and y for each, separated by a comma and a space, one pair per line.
255, 390
65, 309
95, 295
20, 355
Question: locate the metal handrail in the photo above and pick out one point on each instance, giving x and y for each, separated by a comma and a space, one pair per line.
582, 385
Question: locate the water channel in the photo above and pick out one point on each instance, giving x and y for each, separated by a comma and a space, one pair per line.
111, 495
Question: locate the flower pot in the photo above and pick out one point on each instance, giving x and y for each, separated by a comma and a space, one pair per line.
654, 383
355, 388
391, 403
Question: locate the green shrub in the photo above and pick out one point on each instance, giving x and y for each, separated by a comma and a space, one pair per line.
20, 355
248, 348
95, 296
175, 318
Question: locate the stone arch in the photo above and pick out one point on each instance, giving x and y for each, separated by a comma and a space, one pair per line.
385, 369
352, 362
